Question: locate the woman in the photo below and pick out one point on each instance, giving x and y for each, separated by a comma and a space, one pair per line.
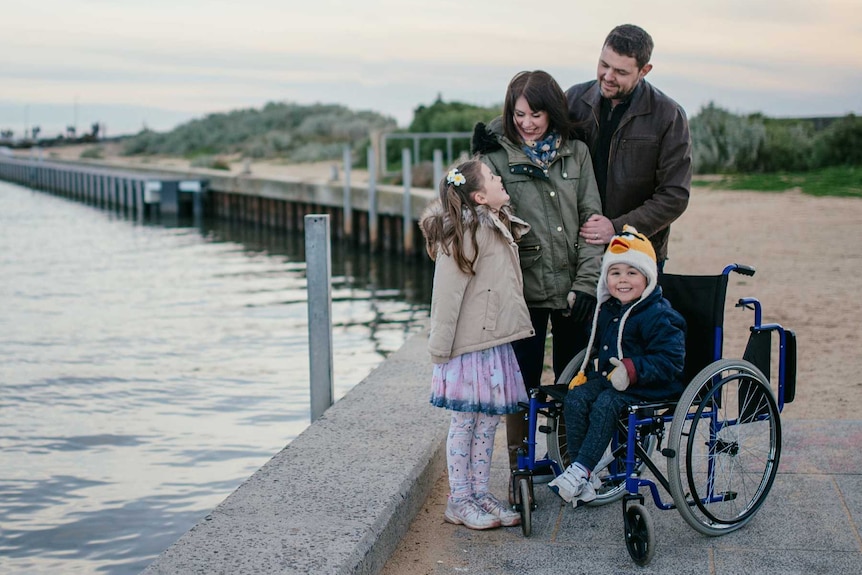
549, 177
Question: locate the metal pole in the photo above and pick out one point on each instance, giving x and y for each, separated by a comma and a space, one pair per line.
347, 224
140, 207
383, 140
407, 215
318, 261
438, 169
372, 200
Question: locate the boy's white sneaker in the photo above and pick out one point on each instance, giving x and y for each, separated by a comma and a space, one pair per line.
573, 483
587, 494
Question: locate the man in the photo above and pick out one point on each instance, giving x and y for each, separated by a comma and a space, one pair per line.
639, 141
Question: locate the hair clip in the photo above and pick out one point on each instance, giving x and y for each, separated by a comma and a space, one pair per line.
455, 178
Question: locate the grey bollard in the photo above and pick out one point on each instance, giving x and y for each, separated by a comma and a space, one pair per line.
318, 261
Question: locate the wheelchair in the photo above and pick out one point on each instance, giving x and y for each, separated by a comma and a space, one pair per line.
723, 444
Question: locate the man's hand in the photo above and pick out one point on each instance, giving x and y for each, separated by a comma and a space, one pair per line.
597, 230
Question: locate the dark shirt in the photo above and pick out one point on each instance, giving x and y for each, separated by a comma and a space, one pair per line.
609, 121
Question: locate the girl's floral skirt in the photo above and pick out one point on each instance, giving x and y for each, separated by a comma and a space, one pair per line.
486, 381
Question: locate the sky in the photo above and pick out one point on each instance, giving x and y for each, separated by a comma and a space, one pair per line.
130, 64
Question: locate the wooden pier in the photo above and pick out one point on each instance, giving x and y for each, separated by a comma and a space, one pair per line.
381, 217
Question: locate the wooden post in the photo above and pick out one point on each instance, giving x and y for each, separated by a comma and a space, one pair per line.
372, 201
347, 224
407, 204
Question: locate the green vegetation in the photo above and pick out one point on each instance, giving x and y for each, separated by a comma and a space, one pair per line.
832, 181
725, 143
438, 117
451, 117
444, 117
291, 132
211, 162
822, 156
94, 153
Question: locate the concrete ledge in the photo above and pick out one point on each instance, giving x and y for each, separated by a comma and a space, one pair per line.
340, 497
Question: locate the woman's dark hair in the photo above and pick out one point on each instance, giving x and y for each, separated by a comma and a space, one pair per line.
543, 94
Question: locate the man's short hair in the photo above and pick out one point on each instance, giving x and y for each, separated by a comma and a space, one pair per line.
632, 41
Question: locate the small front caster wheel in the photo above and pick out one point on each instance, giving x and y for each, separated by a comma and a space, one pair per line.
640, 538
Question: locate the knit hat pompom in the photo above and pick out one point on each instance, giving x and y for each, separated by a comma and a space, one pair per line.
628, 247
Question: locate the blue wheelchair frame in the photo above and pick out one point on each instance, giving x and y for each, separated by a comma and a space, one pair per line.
702, 402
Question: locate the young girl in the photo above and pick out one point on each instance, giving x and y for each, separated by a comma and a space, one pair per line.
477, 309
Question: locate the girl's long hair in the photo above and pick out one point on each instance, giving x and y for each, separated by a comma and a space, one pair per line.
459, 217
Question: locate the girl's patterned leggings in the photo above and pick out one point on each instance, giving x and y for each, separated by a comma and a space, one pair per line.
468, 452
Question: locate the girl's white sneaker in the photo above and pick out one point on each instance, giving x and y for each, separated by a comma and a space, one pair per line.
468, 513
508, 517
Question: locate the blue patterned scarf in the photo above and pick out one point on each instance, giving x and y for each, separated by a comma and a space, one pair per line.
543, 152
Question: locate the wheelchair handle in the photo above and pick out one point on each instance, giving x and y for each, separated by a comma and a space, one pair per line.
740, 269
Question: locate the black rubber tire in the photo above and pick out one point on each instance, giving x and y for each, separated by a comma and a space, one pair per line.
526, 506
639, 534
726, 435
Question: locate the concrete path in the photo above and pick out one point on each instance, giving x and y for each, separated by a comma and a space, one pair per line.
810, 523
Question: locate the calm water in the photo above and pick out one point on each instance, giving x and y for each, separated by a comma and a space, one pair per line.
147, 370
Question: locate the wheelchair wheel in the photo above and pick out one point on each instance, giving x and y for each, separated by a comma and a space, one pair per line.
613, 487
526, 507
639, 533
726, 435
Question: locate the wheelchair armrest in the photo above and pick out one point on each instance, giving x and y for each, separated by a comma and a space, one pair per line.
651, 408
556, 391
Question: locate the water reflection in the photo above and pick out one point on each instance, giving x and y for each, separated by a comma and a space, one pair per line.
147, 370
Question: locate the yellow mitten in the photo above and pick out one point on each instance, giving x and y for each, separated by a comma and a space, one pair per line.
579, 379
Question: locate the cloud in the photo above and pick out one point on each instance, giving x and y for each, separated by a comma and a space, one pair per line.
196, 56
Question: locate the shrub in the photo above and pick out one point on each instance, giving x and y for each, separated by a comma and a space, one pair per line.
93, 153
788, 147
840, 144
211, 162
278, 130
725, 142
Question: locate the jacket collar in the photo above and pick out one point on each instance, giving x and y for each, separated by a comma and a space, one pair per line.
435, 210
513, 149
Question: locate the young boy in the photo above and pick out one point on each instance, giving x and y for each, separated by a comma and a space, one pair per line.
638, 356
